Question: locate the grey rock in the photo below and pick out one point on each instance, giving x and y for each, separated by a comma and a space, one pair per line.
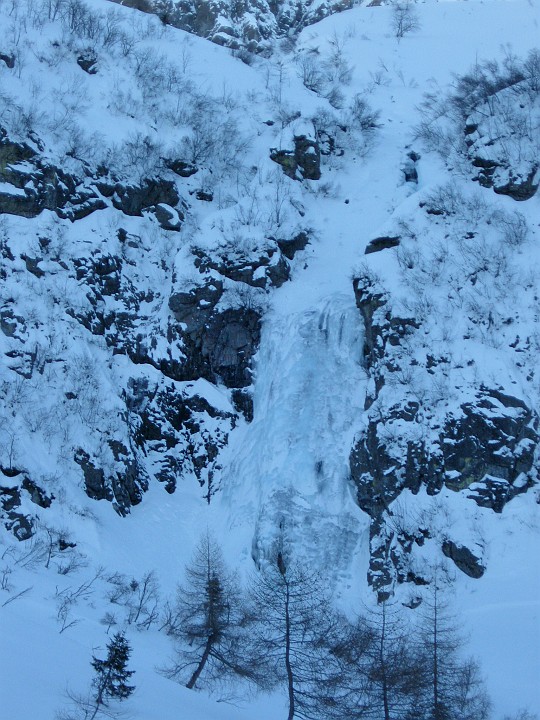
96, 486
464, 559
382, 243
9, 60
195, 306
302, 163
37, 494
180, 167
167, 217
290, 246
231, 340
246, 268
133, 199
486, 448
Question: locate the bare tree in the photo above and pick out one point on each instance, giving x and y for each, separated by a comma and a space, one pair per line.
294, 634
405, 19
143, 602
453, 685
395, 677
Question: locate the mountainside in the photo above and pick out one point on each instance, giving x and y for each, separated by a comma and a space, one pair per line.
293, 303
247, 27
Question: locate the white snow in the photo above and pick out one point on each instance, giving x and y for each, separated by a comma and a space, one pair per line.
289, 467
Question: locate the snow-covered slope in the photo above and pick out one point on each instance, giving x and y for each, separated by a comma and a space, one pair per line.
193, 336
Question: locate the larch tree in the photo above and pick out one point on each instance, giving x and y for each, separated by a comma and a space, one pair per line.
208, 621
454, 689
293, 635
394, 670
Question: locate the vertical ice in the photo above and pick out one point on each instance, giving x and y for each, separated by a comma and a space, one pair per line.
289, 478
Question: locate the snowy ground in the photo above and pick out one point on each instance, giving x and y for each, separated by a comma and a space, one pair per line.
309, 390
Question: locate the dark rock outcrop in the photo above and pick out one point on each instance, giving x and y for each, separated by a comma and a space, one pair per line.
263, 268
503, 152
484, 447
123, 486
88, 62
21, 524
463, 558
290, 246
250, 27
37, 184
302, 163
382, 243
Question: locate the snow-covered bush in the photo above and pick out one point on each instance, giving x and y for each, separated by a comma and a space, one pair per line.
491, 118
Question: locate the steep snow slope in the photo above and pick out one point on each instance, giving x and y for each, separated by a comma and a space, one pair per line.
291, 462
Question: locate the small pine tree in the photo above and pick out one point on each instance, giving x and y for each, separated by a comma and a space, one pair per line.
112, 674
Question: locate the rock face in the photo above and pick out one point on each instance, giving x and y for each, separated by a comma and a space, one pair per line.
186, 347
34, 184
381, 243
483, 448
220, 344
251, 26
16, 488
503, 154
267, 267
302, 163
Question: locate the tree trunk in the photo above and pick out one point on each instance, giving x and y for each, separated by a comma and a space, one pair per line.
290, 678
436, 708
200, 667
383, 665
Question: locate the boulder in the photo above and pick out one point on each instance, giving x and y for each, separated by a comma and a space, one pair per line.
463, 558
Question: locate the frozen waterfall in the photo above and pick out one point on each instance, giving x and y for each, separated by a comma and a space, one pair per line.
288, 478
